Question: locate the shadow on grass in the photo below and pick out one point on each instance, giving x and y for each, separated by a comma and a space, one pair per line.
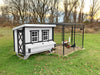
31, 57
72, 55
14, 58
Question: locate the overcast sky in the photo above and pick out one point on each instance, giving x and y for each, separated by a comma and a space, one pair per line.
1, 2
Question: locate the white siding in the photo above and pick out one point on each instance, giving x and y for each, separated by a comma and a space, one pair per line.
16, 45
39, 47
27, 33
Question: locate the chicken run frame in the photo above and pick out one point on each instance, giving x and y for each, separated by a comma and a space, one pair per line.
36, 38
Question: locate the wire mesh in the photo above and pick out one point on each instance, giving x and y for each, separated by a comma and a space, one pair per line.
58, 35
70, 35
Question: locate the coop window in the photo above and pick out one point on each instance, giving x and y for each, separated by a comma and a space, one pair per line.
45, 35
34, 36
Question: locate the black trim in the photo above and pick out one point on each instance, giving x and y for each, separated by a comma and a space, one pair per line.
24, 47
29, 50
53, 33
38, 42
75, 35
31, 35
65, 24
14, 40
83, 38
29, 43
17, 41
72, 36
63, 36
42, 35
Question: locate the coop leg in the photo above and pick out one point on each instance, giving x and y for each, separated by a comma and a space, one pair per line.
83, 48
50, 51
19, 56
26, 57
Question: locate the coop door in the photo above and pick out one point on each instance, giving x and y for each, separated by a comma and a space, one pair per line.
20, 42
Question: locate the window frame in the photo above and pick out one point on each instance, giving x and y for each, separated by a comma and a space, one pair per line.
33, 36
46, 35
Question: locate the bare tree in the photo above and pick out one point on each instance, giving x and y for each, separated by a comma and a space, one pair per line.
68, 7
5, 14
31, 11
40, 9
81, 13
19, 9
94, 8
35, 11
75, 13
54, 12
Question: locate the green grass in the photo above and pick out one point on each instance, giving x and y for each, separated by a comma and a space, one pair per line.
84, 62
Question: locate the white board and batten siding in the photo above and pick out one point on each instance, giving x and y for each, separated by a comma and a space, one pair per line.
28, 36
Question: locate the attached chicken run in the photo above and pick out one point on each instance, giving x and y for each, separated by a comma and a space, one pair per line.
70, 36
35, 38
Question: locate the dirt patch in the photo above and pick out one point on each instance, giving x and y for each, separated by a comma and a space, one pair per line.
1, 35
67, 51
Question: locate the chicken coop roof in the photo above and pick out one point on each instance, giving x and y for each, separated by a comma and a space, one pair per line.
34, 25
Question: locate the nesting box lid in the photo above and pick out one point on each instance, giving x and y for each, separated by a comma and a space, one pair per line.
34, 25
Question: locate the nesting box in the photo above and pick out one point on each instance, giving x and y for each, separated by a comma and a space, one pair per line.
33, 38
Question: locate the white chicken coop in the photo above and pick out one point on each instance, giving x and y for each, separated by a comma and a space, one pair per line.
33, 38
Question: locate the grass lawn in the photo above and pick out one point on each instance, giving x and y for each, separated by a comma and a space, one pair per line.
83, 62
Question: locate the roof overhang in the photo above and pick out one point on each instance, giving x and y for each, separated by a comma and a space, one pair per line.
34, 25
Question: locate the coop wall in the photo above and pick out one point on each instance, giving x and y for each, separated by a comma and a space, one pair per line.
15, 41
27, 33
27, 36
